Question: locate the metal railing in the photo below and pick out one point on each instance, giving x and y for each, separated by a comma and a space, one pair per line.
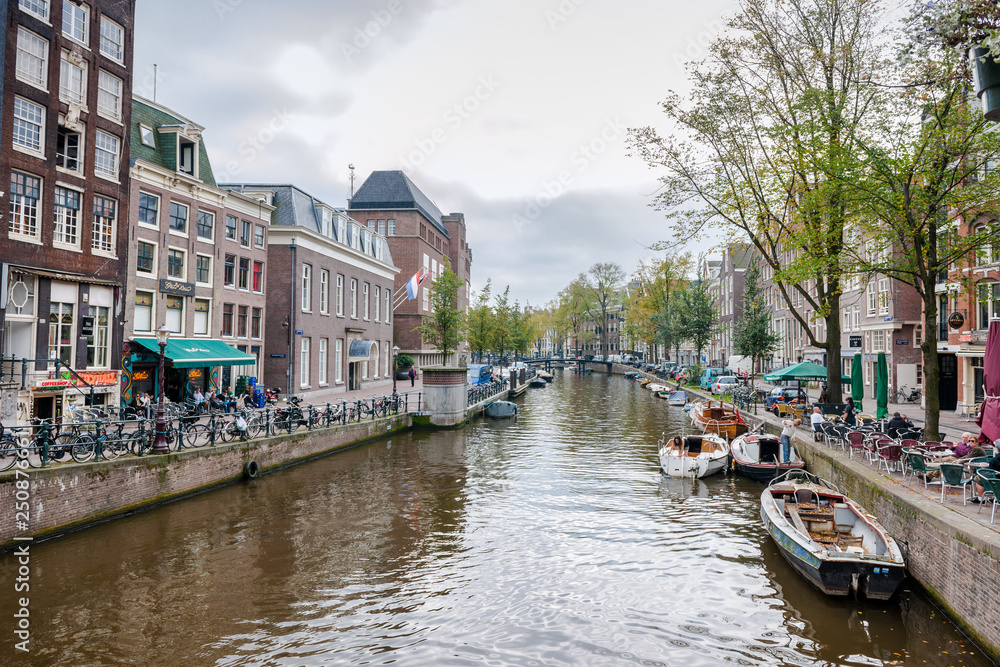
89, 434
486, 391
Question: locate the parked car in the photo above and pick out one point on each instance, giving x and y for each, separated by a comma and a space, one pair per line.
723, 384
783, 395
708, 377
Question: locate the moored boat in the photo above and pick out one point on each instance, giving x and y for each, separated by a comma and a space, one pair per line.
695, 455
538, 382
501, 409
545, 375
758, 456
829, 539
678, 398
656, 387
718, 417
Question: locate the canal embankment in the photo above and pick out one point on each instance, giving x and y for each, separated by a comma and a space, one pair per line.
952, 550
68, 497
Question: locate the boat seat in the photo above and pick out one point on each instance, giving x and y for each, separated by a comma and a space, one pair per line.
803, 496
793, 514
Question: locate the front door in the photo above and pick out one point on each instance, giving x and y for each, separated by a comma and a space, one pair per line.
352, 376
949, 381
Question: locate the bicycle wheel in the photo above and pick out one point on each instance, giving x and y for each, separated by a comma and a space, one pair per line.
83, 449
8, 453
112, 447
59, 450
255, 424
138, 443
196, 435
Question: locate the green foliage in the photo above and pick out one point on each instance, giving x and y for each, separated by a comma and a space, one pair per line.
752, 335
446, 324
404, 361
481, 322
697, 313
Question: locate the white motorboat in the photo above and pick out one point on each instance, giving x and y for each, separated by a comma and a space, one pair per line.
696, 455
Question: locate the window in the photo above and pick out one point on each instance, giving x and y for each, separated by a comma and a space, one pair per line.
338, 360
229, 273
377, 301
365, 306
175, 313
354, 298
371, 224
109, 95
324, 292
187, 157
203, 269
245, 234
144, 257
230, 227
242, 322
98, 343
244, 273
147, 136
24, 195
375, 360
258, 276
73, 79
341, 226
381, 227
989, 303
323, 342
227, 319
392, 228
883, 296
106, 155
32, 58
306, 287
74, 23
426, 298
206, 225
304, 363
143, 311
857, 317
61, 332
39, 8
112, 40
256, 318
258, 236
149, 209
67, 217
872, 299
68, 149
340, 295
878, 341
29, 124
104, 224
175, 263
178, 217
201, 317
918, 335
386, 294
920, 375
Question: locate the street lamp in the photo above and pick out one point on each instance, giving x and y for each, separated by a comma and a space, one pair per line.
395, 355
160, 425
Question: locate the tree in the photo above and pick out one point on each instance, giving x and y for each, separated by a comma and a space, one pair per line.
752, 335
446, 324
574, 308
604, 284
503, 327
762, 146
481, 323
698, 314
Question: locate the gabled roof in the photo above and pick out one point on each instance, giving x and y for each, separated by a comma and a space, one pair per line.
393, 190
164, 155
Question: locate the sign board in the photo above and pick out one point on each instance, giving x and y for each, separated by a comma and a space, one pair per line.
140, 375
298, 332
902, 341
86, 325
965, 338
176, 287
956, 320
277, 356
855, 341
887, 318
51, 384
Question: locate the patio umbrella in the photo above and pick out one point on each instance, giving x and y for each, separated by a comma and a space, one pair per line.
989, 416
806, 370
857, 383
881, 387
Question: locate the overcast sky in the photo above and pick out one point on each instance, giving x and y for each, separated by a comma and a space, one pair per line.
513, 112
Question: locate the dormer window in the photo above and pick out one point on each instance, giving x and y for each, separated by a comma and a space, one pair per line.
148, 137
186, 157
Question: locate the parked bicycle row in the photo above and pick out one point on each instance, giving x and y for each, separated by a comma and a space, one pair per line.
85, 440
486, 391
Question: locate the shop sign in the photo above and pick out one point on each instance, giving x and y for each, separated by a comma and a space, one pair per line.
176, 287
86, 325
140, 375
855, 341
51, 384
956, 320
97, 377
196, 373
965, 338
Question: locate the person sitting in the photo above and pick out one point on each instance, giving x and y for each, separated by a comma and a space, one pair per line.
979, 488
974, 452
897, 424
963, 448
817, 418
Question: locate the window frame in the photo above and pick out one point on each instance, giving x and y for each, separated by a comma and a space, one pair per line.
146, 196
257, 277
150, 309
25, 6
22, 206
37, 127
71, 8
118, 57
256, 323
243, 274
304, 361
354, 298
115, 113
198, 269
171, 217
167, 300
63, 134
207, 318
115, 155
139, 256
324, 292
172, 254
67, 90
323, 352
305, 285
228, 319
40, 79
229, 271
64, 223
104, 235
231, 229
340, 295
259, 236
199, 226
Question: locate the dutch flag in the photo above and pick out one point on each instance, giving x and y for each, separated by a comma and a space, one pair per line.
414, 282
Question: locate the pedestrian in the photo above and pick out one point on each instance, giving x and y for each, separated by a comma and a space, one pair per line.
850, 413
413, 376
786, 438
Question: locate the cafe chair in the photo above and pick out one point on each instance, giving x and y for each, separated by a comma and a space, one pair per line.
890, 454
855, 440
953, 476
917, 465
992, 485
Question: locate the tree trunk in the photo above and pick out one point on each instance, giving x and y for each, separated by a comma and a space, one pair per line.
834, 386
932, 370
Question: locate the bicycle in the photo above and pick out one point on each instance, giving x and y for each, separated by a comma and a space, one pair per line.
902, 396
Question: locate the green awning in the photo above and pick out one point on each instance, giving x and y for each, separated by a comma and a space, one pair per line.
191, 353
805, 370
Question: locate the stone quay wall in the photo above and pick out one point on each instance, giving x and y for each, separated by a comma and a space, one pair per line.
66, 497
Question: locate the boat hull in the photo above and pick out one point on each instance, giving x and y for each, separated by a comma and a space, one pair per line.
764, 472
701, 456
749, 450
716, 417
501, 409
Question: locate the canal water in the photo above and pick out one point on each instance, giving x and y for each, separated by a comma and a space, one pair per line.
553, 540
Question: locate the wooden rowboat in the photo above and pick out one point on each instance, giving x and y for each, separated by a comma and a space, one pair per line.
718, 417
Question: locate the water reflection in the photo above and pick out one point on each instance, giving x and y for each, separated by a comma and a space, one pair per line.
553, 540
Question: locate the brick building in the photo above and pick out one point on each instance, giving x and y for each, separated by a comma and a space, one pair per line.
420, 238
329, 315
67, 81
198, 254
